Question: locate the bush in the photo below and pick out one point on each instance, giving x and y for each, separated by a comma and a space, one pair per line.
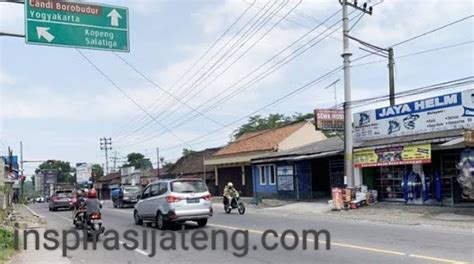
6, 243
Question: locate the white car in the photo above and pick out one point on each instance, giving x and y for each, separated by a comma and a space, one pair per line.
179, 200
39, 199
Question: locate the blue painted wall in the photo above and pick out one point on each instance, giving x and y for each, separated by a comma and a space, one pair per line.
266, 188
302, 171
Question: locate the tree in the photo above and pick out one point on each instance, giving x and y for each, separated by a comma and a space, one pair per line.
258, 123
138, 161
98, 170
187, 152
63, 169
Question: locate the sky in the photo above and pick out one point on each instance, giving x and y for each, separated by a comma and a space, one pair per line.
59, 106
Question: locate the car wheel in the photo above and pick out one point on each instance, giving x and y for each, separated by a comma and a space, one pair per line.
202, 222
120, 205
138, 220
161, 222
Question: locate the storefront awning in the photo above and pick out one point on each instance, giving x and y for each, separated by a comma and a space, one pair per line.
453, 143
299, 157
440, 137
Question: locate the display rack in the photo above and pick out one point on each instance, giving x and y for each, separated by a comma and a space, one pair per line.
389, 182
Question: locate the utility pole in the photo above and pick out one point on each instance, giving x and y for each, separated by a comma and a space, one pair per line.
158, 162
391, 76
204, 166
385, 53
106, 145
22, 182
346, 54
114, 158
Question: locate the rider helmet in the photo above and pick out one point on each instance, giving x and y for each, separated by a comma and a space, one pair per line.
92, 193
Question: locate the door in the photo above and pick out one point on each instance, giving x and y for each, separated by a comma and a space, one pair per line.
231, 174
248, 190
142, 203
157, 200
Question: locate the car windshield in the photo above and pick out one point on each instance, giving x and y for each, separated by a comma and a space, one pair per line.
131, 189
188, 187
62, 195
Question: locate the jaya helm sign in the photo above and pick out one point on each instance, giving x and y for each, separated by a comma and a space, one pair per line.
80, 25
440, 113
411, 154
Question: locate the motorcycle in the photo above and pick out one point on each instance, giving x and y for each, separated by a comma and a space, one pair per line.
79, 218
234, 203
94, 226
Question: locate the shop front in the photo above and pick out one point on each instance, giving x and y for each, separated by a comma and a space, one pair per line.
417, 151
416, 172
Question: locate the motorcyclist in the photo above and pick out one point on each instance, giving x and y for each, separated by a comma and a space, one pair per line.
79, 203
229, 192
92, 204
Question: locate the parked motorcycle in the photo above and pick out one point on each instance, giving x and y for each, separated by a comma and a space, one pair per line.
234, 203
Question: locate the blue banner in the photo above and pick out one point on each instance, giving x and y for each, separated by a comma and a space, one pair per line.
430, 104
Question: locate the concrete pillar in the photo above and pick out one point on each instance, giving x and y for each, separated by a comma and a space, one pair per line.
216, 172
358, 177
243, 174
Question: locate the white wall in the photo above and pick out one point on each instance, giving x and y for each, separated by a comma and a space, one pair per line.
307, 134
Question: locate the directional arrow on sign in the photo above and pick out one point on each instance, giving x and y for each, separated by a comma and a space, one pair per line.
43, 32
114, 17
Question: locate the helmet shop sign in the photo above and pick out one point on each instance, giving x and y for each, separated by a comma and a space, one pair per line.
411, 154
440, 113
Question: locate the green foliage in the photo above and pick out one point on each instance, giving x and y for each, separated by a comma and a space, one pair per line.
258, 123
138, 161
6, 243
63, 169
187, 152
98, 170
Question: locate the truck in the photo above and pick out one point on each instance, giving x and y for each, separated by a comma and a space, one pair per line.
125, 195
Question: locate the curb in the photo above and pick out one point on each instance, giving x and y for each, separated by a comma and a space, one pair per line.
33, 212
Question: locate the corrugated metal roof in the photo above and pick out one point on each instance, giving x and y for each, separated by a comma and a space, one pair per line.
332, 145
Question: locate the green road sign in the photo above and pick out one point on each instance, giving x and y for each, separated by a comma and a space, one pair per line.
79, 25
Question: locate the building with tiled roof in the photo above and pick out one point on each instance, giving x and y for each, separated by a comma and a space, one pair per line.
232, 162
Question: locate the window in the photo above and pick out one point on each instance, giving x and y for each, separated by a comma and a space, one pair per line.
267, 172
155, 189
146, 193
263, 176
272, 178
185, 186
163, 188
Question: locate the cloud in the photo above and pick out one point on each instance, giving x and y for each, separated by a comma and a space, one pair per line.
47, 103
6, 78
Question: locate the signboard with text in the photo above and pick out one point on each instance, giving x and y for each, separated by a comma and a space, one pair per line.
83, 172
440, 113
79, 25
411, 154
329, 119
50, 176
285, 178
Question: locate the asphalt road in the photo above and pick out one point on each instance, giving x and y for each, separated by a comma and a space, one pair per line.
350, 241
